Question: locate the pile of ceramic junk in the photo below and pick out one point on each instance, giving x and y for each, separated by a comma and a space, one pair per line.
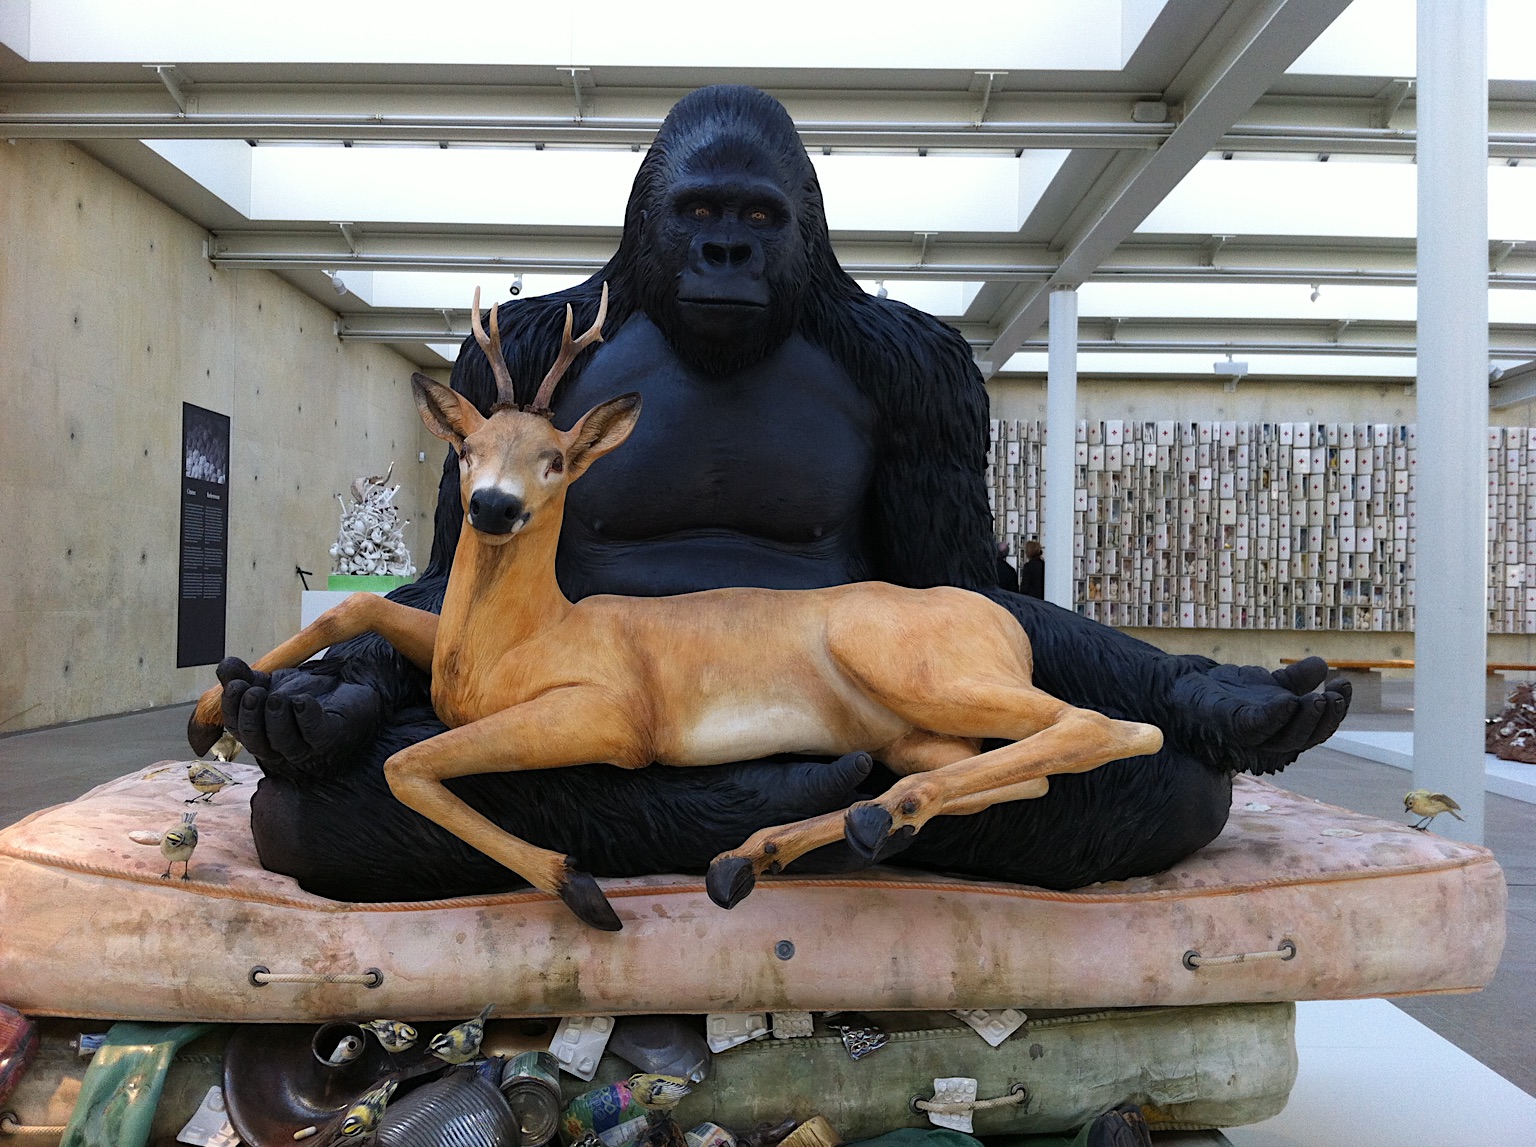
371, 541
1511, 736
502, 1083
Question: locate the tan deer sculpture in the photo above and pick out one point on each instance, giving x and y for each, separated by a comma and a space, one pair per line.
527, 680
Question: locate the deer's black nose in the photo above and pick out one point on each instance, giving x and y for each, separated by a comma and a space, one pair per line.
495, 511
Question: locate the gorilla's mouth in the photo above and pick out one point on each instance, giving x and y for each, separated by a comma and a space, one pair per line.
745, 306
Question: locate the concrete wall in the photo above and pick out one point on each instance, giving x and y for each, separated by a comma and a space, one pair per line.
1258, 401
110, 319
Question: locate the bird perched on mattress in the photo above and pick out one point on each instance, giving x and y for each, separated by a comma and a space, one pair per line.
659, 1094
1427, 805
179, 843
207, 780
461, 1044
393, 1036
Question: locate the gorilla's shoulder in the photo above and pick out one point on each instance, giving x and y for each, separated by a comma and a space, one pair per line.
898, 353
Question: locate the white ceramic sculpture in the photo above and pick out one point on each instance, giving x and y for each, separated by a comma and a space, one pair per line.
371, 541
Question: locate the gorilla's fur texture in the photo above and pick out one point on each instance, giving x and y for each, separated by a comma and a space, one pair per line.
329, 819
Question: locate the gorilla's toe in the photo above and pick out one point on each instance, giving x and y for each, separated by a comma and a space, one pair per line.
866, 828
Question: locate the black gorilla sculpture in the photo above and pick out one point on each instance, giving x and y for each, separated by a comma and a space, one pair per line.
797, 433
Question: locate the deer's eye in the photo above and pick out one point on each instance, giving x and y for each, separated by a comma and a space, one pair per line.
557, 465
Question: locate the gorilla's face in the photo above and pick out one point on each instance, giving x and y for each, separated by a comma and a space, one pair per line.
727, 262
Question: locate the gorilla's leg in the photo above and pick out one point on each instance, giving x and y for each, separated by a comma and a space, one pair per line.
345, 836
1241, 718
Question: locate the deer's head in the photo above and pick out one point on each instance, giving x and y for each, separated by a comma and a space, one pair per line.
514, 466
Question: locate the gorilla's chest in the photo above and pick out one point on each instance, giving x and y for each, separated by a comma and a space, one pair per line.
757, 477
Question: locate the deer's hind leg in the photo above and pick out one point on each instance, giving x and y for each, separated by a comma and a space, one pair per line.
568, 726
413, 632
1048, 736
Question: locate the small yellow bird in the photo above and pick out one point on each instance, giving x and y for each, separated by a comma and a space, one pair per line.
1427, 805
462, 1043
392, 1035
657, 1092
179, 843
207, 780
362, 1118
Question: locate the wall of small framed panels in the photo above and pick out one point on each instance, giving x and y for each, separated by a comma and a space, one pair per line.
1258, 525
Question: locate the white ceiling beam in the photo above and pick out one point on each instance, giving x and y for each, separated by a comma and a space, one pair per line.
1242, 66
875, 117
1513, 386
986, 258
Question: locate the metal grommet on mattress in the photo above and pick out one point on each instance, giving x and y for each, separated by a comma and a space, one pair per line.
1193, 960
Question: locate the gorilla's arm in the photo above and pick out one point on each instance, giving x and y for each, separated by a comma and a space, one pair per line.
933, 527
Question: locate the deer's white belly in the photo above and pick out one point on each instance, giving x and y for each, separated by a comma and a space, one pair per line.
738, 731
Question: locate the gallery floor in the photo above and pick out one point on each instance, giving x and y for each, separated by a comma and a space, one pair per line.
1372, 1075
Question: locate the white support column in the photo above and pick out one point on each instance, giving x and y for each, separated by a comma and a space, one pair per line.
1451, 643
1060, 446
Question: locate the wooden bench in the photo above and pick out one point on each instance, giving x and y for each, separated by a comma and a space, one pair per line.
1364, 677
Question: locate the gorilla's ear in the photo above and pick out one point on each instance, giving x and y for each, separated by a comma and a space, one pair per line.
445, 412
601, 429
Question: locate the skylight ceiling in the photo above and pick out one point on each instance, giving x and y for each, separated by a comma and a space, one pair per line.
1096, 35
968, 165
572, 187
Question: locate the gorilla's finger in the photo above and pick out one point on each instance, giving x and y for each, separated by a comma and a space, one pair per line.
300, 683
233, 691
1260, 722
1297, 734
309, 720
1302, 677
232, 669
253, 723
282, 729
1333, 714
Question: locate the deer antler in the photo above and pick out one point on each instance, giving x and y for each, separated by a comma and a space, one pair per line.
491, 345
569, 349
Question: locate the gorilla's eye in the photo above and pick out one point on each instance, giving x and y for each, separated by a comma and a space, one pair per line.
758, 215
702, 211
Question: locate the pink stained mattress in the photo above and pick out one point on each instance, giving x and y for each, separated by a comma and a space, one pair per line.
88, 928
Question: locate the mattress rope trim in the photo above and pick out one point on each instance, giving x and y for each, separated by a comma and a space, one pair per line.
1470, 860
11, 1127
1193, 960
1018, 1096
260, 975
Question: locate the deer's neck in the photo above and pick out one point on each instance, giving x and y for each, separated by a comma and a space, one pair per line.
500, 596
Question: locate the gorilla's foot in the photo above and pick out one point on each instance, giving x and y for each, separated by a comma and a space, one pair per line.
583, 897
729, 880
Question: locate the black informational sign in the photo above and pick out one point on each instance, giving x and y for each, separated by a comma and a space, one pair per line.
204, 536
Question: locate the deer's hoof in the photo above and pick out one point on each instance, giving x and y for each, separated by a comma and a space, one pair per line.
866, 828
729, 880
202, 737
583, 897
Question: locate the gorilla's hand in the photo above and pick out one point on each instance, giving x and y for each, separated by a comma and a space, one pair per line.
1250, 719
296, 721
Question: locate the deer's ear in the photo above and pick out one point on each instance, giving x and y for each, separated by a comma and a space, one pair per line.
446, 413
601, 429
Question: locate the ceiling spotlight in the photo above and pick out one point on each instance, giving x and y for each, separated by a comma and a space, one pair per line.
1317, 289
517, 285
336, 281
880, 291
1230, 371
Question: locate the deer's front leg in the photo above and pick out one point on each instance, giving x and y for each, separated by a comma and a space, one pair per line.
568, 726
